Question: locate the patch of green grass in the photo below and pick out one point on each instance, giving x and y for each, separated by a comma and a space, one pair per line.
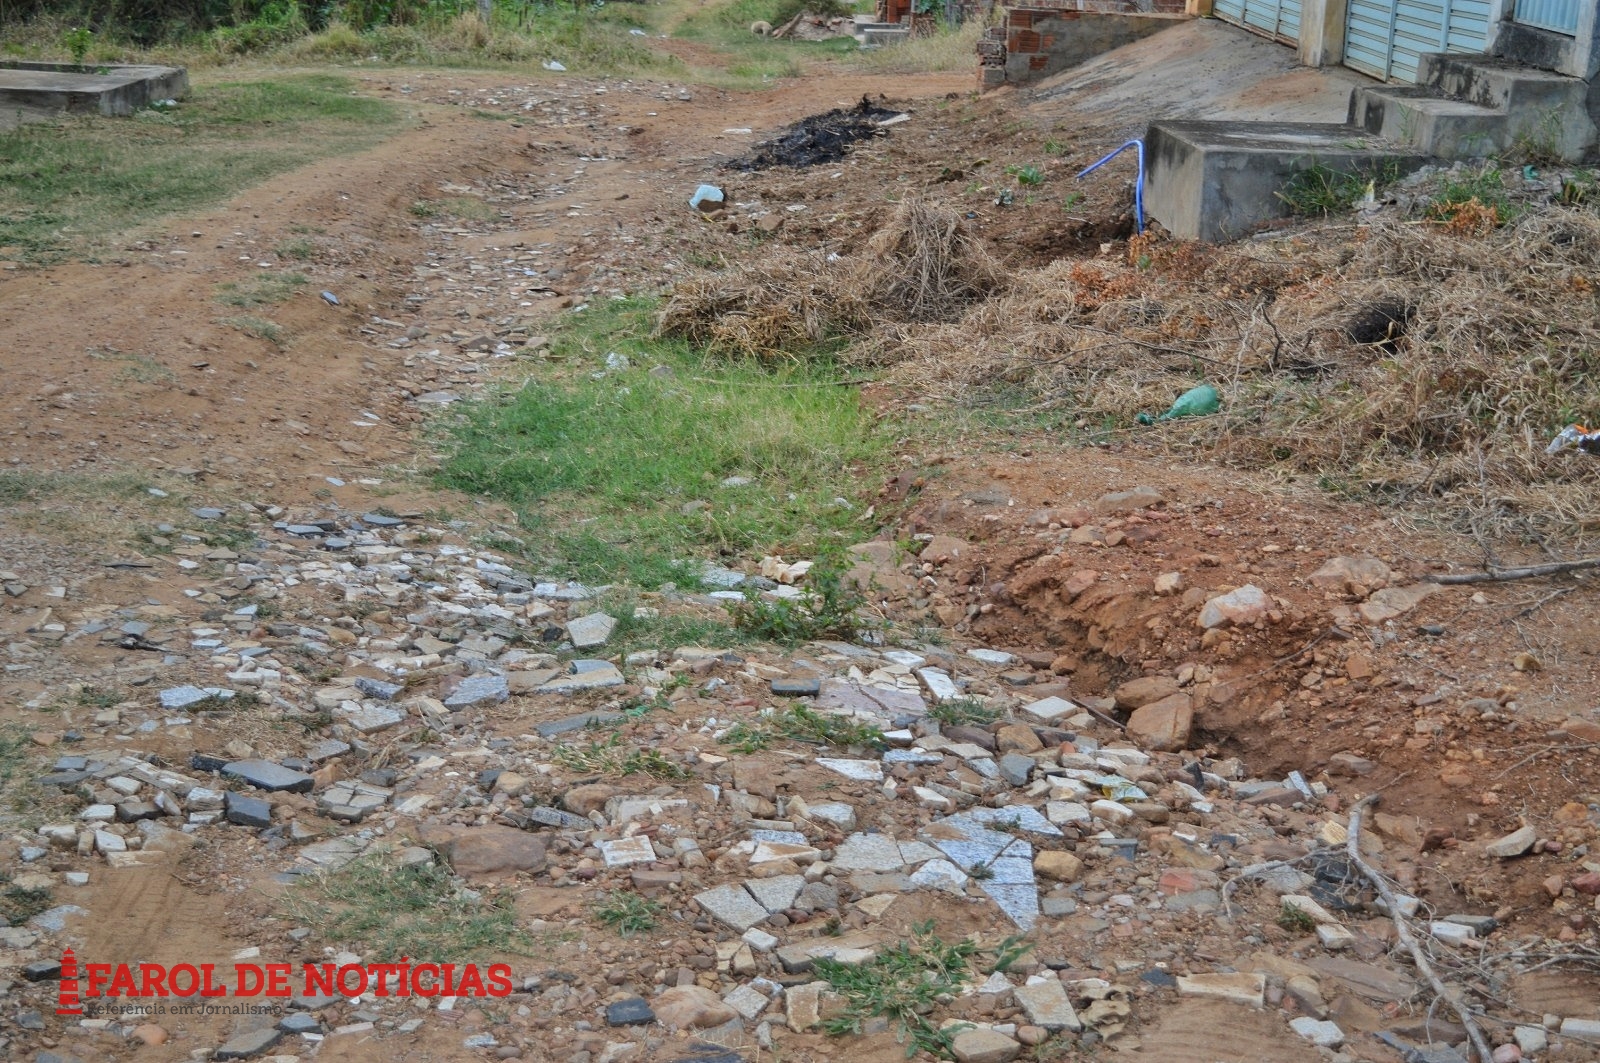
957, 711
1480, 189
18, 904
611, 756
665, 631
628, 913
801, 724
19, 486
384, 912
93, 697
621, 478
1320, 190
261, 328
1027, 176
300, 249
903, 984
71, 187
262, 289
462, 208
831, 607
1295, 920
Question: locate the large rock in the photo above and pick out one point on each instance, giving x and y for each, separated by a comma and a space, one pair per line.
1142, 691
485, 850
1394, 601
691, 1007
1240, 607
983, 1045
1357, 575
1162, 726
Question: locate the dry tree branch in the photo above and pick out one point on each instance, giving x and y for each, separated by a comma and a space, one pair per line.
1403, 928
1503, 575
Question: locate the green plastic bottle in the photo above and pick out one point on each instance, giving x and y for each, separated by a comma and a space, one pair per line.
1201, 401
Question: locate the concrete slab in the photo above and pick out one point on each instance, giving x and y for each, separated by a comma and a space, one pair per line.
1218, 181
39, 91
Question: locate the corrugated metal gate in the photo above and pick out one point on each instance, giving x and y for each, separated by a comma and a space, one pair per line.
1384, 37
1560, 16
1278, 19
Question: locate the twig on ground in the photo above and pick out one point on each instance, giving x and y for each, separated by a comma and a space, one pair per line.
1502, 575
1402, 925
1542, 750
1536, 606
1253, 871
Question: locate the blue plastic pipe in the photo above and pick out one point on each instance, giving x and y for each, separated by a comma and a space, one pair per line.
1138, 184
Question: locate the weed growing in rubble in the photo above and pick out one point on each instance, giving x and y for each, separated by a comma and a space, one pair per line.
902, 984
386, 912
828, 609
611, 756
957, 711
1009, 952
1319, 190
1295, 920
628, 913
1026, 175
263, 289
18, 904
801, 724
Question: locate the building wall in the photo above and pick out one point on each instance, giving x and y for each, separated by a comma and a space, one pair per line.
1048, 36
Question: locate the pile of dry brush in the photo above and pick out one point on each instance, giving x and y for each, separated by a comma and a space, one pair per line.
1393, 358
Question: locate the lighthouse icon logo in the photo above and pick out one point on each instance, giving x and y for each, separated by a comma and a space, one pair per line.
67, 1002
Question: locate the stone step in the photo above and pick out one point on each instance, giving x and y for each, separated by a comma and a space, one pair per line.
1218, 181
1544, 111
1433, 124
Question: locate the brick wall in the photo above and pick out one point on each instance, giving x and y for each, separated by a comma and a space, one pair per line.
1050, 35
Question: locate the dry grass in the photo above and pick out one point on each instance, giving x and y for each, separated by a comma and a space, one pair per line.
1401, 361
922, 266
940, 52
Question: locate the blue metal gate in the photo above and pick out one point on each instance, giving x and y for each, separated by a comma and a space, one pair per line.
1384, 37
1560, 16
1278, 19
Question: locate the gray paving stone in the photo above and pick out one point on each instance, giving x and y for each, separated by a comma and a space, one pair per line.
868, 852
247, 811
859, 770
587, 632
265, 775
732, 904
778, 893
480, 689
1047, 1005
377, 688
250, 1043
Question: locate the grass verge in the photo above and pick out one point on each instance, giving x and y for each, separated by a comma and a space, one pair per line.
800, 724
624, 474
70, 188
386, 912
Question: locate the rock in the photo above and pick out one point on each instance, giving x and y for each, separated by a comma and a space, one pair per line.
1057, 865
1129, 501
1168, 583
1162, 726
376, 688
870, 852
151, 1034
246, 811
691, 1007
265, 775
1356, 575
587, 798
620, 852
1586, 1030
859, 770
796, 688
1588, 883
802, 1005
1531, 1039
630, 1011
1016, 738
1516, 843
1078, 582
1507, 1054
1239, 988
983, 1045
1015, 768
482, 689
732, 905
251, 1043
1051, 709
1047, 1005
587, 632
485, 850
1349, 766
1321, 1033
1394, 601
1240, 607
1136, 693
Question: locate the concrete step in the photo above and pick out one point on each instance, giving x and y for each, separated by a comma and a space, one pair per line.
42, 90
1435, 125
1545, 110
1218, 181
